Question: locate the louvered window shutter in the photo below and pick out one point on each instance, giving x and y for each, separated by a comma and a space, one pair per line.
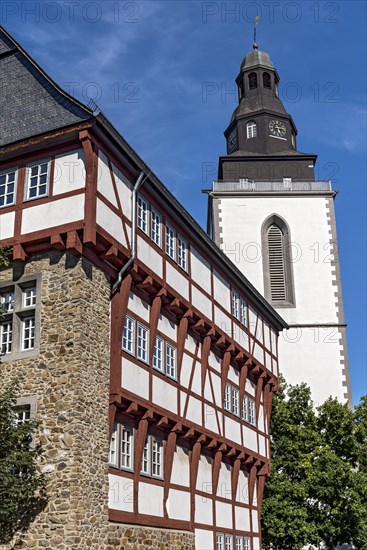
276, 264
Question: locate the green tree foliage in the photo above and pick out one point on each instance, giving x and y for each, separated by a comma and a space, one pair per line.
22, 487
318, 487
6, 255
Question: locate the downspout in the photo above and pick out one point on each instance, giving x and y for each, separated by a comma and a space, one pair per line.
131, 260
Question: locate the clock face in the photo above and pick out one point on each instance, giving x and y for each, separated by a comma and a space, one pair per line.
232, 141
277, 128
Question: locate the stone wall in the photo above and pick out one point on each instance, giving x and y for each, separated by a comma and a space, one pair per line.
70, 378
128, 537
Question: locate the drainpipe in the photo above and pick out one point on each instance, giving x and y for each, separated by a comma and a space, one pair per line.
131, 260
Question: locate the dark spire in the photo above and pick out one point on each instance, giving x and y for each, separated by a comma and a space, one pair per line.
256, 20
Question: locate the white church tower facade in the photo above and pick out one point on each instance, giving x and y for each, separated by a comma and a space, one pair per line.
277, 224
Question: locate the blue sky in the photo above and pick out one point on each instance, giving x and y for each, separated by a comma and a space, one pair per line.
163, 72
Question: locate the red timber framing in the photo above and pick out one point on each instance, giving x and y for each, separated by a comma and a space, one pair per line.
87, 238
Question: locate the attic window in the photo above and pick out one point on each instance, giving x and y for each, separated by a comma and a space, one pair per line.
251, 129
252, 81
266, 80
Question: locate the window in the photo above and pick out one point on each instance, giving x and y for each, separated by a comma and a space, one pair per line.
158, 354
152, 459
170, 242
145, 461
182, 253
243, 312
276, 264
239, 543
235, 402
227, 397
266, 80
156, 227
229, 542
127, 444
235, 304
170, 361
220, 541
22, 414
19, 324
252, 412
252, 81
251, 129
28, 333
142, 214
142, 347
37, 179
246, 543
7, 187
112, 458
128, 335
245, 415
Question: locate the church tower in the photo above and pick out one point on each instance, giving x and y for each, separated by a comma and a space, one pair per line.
277, 224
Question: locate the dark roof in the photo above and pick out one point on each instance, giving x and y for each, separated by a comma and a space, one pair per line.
30, 102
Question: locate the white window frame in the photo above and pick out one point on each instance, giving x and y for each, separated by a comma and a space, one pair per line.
251, 129
171, 361
142, 343
159, 453
219, 541
245, 409
158, 354
22, 413
182, 252
235, 304
130, 442
8, 304
146, 457
170, 242
239, 542
243, 312
143, 215
252, 411
31, 336
229, 542
246, 543
29, 177
156, 227
227, 398
114, 447
235, 401
6, 337
130, 340
30, 300
6, 186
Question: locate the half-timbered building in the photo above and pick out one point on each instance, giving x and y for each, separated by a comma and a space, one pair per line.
147, 356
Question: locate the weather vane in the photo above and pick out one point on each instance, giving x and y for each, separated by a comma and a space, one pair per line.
256, 20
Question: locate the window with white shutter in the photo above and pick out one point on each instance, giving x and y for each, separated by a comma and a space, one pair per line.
276, 264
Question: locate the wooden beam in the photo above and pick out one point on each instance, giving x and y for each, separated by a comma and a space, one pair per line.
242, 382
216, 469
252, 481
205, 360
194, 467
19, 253
259, 389
235, 474
168, 463
73, 243
90, 208
138, 455
57, 242
181, 337
133, 409
155, 312
225, 368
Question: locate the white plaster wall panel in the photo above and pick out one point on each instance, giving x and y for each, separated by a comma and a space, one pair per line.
200, 270
262, 446
196, 379
268, 362
259, 330
267, 336
222, 320
7, 225
233, 375
164, 394
186, 370
124, 188
242, 494
208, 390
232, 429
69, 172
203, 539
204, 480
224, 489
169, 328
222, 293
250, 387
150, 499
216, 382
110, 222
242, 518
256, 543
214, 361
203, 510
150, 257
201, 302
104, 181
177, 281
139, 306
52, 214
252, 320
178, 505
210, 419
223, 513
241, 337
255, 521
249, 439
323, 346
192, 345
254, 498
261, 423
181, 467
120, 493
259, 353
194, 411
135, 378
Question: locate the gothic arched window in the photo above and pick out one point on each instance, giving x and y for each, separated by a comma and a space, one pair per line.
277, 262
251, 129
266, 80
252, 81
